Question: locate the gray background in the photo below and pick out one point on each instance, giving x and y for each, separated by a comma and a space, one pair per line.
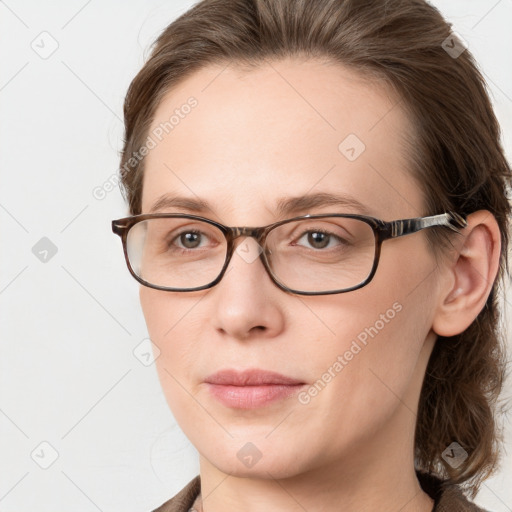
71, 321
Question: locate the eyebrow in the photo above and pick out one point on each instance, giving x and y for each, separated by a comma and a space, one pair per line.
284, 205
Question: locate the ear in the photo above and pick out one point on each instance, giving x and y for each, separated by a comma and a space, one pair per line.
468, 275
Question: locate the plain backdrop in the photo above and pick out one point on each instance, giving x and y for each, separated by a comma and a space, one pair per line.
84, 425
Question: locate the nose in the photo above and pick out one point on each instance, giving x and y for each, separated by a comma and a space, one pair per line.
247, 303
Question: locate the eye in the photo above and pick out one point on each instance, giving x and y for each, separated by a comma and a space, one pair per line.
320, 239
175, 236
189, 239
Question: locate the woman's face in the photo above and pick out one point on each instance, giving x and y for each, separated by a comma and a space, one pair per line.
284, 130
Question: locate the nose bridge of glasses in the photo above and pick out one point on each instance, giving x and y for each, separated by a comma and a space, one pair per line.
238, 232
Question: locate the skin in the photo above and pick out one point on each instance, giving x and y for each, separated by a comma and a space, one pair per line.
254, 137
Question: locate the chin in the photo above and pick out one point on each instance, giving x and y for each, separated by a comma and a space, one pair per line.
263, 469
264, 458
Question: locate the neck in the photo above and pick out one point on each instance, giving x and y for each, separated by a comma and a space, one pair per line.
285, 496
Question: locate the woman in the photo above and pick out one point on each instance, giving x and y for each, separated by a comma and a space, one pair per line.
317, 358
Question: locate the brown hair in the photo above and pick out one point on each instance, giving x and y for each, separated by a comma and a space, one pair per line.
455, 154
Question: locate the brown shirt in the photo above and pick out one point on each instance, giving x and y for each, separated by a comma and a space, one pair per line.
447, 497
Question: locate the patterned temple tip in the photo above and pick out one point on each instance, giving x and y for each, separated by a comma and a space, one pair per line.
457, 221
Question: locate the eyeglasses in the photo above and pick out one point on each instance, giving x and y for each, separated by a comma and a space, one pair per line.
308, 255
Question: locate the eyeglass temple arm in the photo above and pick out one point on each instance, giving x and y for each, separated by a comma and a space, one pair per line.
452, 220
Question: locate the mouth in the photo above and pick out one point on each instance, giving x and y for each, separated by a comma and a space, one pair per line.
251, 389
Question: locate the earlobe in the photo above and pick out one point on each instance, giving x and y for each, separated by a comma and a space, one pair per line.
469, 276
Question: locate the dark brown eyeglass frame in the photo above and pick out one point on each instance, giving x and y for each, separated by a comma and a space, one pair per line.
382, 231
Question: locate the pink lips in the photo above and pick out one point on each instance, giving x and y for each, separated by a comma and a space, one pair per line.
251, 388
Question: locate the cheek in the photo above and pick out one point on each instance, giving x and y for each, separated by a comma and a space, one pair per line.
168, 318
153, 308
167, 314
379, 332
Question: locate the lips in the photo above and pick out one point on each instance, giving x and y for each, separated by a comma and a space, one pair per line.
250, 378
251, 388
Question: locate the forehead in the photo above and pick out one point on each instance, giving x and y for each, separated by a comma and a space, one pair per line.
242, 139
